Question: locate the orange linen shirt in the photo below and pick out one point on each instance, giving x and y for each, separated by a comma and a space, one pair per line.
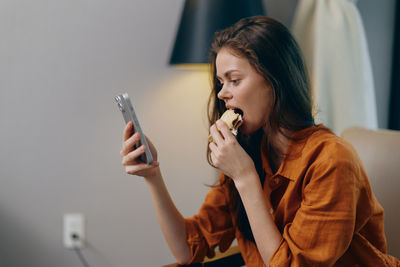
322, 204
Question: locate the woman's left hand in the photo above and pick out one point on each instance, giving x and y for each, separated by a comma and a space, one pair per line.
227, 154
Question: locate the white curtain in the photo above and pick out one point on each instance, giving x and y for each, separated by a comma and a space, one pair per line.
332, 38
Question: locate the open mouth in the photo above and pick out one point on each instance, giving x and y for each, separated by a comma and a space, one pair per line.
238, 111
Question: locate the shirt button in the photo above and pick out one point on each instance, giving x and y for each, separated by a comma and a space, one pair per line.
271, 210
277, 180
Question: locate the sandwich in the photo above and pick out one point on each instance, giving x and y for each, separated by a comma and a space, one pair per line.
233, 120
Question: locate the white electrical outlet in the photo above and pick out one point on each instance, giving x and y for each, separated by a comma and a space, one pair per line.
74, 230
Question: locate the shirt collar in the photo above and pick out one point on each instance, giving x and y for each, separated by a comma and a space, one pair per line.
291, 164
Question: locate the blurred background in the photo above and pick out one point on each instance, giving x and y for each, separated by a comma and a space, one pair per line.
61, 64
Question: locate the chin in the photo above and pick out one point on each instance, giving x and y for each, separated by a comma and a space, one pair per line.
247, 130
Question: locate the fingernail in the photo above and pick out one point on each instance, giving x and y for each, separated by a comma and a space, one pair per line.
137, 137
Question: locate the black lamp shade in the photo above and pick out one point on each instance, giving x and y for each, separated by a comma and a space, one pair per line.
201, 19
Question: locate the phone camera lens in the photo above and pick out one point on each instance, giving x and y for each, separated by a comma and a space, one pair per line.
120, 107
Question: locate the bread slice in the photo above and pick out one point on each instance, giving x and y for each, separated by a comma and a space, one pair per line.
232, 119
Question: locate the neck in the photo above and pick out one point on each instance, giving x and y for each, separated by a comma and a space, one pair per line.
279, 142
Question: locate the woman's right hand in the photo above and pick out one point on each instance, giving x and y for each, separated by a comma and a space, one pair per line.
130, 155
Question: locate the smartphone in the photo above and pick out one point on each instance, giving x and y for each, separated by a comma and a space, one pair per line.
126, 108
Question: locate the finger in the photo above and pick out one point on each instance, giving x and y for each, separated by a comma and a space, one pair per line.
223, 129
214, 152
213, 147
129, 144
216, 135
214, 161
155, 164
136, 169
132, 157
128, 130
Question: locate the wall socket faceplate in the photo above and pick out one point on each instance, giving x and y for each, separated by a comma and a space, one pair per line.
74, 230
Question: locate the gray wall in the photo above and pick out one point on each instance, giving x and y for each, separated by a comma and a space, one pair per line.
61, 63
378, 18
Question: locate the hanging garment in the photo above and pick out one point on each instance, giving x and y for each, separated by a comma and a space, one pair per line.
332, 38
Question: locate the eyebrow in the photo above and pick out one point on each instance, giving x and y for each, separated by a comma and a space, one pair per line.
227, 73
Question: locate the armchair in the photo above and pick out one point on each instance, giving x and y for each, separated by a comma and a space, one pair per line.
379, 151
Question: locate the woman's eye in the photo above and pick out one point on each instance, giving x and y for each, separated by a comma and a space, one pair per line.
235, 81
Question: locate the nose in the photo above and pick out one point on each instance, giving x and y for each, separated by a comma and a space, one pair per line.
224, 93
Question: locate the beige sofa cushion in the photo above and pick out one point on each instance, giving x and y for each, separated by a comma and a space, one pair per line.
379, 151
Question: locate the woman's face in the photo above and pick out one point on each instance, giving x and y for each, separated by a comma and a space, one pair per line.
245, 89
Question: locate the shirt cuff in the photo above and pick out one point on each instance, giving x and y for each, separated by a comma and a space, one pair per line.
282, 256
195, 241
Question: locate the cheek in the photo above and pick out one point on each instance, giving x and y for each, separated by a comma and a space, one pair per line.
260, 108
255, 118
256, 102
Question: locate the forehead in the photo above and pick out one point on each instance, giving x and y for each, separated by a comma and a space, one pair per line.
227, 60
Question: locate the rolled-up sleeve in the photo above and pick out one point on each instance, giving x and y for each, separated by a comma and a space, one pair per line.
324, 224
211, 227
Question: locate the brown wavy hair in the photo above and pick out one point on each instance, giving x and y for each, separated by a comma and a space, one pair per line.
273, 52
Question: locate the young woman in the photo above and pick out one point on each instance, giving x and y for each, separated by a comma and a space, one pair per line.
291, 192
